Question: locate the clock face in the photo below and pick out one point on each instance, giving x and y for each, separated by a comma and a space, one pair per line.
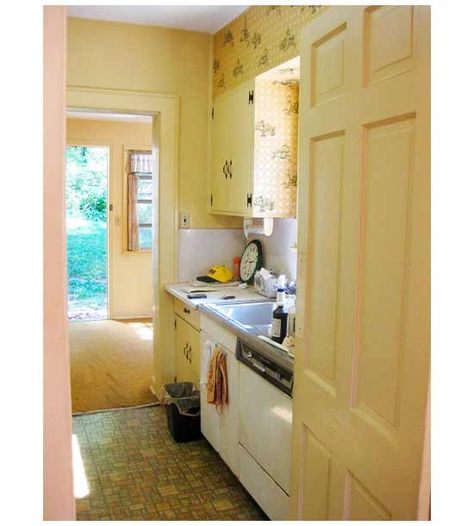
250, 261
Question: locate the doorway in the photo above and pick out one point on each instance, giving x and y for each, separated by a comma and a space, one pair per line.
87, 175
109, 203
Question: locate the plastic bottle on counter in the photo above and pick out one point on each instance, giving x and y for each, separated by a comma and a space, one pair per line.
236, 268
291, 308
279, 318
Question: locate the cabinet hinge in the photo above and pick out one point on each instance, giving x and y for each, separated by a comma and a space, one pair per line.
251, 97
212, 113
211, 199
175, 324
249, 199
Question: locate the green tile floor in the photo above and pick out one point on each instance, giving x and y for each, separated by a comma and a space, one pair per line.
135, 471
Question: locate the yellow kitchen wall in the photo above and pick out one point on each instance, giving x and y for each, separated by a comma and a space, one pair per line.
120, 56
130, 273
261, 38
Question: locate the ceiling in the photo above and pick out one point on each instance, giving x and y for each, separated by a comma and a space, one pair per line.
204, 18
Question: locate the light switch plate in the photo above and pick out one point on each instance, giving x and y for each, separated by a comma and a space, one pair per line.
184, 220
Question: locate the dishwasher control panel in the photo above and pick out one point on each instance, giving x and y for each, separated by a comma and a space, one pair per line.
262, 365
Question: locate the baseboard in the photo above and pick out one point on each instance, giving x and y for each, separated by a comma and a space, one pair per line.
154, 388
134, 317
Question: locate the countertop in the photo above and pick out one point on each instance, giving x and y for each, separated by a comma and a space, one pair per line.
247, 295
180, 291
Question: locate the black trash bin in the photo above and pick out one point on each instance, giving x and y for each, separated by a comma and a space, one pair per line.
183, 409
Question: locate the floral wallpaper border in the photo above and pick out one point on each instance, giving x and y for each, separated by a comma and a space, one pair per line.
259, 39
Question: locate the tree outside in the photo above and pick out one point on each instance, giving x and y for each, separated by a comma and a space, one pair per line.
86, 209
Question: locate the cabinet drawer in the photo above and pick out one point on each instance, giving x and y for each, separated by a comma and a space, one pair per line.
187, 313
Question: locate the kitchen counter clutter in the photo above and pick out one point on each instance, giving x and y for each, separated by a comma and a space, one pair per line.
215, 292
252, 331
259, 384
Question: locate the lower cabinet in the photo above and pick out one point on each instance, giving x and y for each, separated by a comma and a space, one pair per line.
221, 429
187, 352
229, 418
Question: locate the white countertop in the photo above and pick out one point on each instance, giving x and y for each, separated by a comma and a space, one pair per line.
214, 292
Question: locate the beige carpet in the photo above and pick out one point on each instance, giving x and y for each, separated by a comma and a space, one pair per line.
111, 364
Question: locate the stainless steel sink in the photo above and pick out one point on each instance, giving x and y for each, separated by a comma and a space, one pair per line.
247, 315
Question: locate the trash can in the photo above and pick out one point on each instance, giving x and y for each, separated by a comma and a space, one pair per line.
183, 410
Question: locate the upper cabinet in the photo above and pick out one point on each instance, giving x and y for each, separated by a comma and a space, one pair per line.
254, 146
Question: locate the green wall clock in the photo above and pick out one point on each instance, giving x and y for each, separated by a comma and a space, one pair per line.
251, 261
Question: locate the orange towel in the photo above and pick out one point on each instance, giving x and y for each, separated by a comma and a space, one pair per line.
217, 391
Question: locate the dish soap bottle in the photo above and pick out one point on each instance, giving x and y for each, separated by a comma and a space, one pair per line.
280, 318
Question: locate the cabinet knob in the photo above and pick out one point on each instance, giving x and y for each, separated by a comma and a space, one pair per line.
186, 310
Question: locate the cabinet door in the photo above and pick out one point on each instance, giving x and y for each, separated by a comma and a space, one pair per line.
187, 352
229, 418
232, 151
240, 111
209, 416
181, 362
194, 354
220, 157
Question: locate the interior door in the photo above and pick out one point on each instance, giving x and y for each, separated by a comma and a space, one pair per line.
362, 356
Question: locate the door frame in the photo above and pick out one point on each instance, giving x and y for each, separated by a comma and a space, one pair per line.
77, 142
164, 108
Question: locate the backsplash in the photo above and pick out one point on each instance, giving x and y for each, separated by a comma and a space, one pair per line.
278, 254
199, 249
259, 39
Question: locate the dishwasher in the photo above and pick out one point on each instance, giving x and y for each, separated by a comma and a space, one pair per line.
265, 417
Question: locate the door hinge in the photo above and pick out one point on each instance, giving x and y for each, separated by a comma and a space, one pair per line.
251, 98
211, 199
212, 113
249, 199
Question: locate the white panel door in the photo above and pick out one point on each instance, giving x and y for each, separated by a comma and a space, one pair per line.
363, 314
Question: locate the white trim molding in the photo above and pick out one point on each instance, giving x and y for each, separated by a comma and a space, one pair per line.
164, 108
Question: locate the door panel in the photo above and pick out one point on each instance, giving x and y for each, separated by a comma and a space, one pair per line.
209, 415
241, 147
232, 147
181, 363
229, 417
362, 358
187, 352
220, 155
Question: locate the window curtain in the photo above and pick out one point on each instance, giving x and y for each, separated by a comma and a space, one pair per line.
132, 215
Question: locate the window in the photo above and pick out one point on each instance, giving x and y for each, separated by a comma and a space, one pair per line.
139, 200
